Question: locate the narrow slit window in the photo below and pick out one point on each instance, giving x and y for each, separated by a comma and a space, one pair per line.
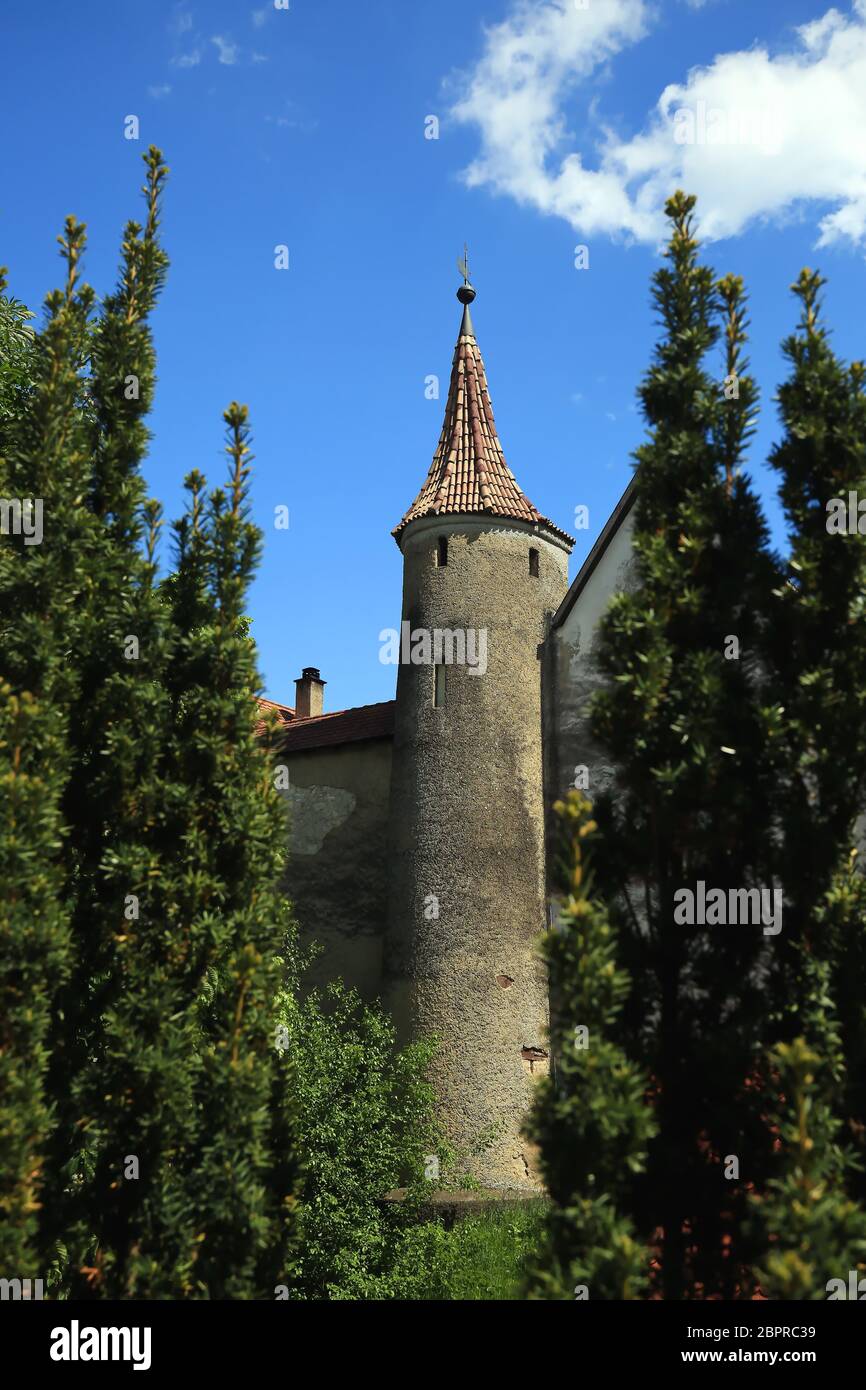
439, 686
442, 551
533, 563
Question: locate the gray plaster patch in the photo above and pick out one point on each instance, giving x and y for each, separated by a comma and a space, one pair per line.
315, 812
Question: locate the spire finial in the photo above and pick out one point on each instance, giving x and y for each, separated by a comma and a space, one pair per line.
466, 293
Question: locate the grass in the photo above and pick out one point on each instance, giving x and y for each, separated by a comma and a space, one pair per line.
481, 1257
491, 1251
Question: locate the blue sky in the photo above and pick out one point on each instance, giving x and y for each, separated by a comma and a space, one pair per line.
306, 127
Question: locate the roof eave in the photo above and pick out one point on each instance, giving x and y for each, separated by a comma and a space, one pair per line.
606, 535
534, 525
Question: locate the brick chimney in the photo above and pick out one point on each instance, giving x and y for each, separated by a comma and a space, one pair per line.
309, 694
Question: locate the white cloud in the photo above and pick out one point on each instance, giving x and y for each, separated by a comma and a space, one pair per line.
180, 22
303, 124
260, 58
159, 92
227, 51
259, 17
187, 60
769, 132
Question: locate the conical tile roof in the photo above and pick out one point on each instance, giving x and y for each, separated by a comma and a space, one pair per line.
469, 473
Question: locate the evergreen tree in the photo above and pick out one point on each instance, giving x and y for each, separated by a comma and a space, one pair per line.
841, 926
816, 650
592, 1121
811, 1231
689, 723
42, 474
112, 1118
244, 1169
820, 655
18, 361
190, 1081
166, 1110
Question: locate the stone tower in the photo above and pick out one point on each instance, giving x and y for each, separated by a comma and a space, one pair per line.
485, 571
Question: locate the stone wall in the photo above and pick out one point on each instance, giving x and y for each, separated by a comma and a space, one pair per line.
337, 871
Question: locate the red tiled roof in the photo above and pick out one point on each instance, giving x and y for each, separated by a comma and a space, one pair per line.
469, 472
265, 707
343, 726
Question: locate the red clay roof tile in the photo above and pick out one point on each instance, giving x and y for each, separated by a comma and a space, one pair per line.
469, 473
343, 726
284, 713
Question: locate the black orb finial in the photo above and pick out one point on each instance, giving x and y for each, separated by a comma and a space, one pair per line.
466, 293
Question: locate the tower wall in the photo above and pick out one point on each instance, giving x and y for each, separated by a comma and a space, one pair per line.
467, 889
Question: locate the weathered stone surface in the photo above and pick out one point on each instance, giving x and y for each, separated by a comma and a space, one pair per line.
337, 870
314, 812
467, 829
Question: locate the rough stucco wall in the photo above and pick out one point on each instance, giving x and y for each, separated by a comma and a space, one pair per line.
575, 676
467, 827
337, 871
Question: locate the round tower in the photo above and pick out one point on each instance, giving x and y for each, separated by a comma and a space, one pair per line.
483, 573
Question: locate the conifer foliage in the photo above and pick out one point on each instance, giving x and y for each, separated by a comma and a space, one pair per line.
820, 655
591, 1121
686, 720
152, 1140
42, 473
243, 1168
732, 712
812, 1234
816, 651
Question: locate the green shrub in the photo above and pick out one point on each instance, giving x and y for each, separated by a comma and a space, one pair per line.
365, 1128
483, 1257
